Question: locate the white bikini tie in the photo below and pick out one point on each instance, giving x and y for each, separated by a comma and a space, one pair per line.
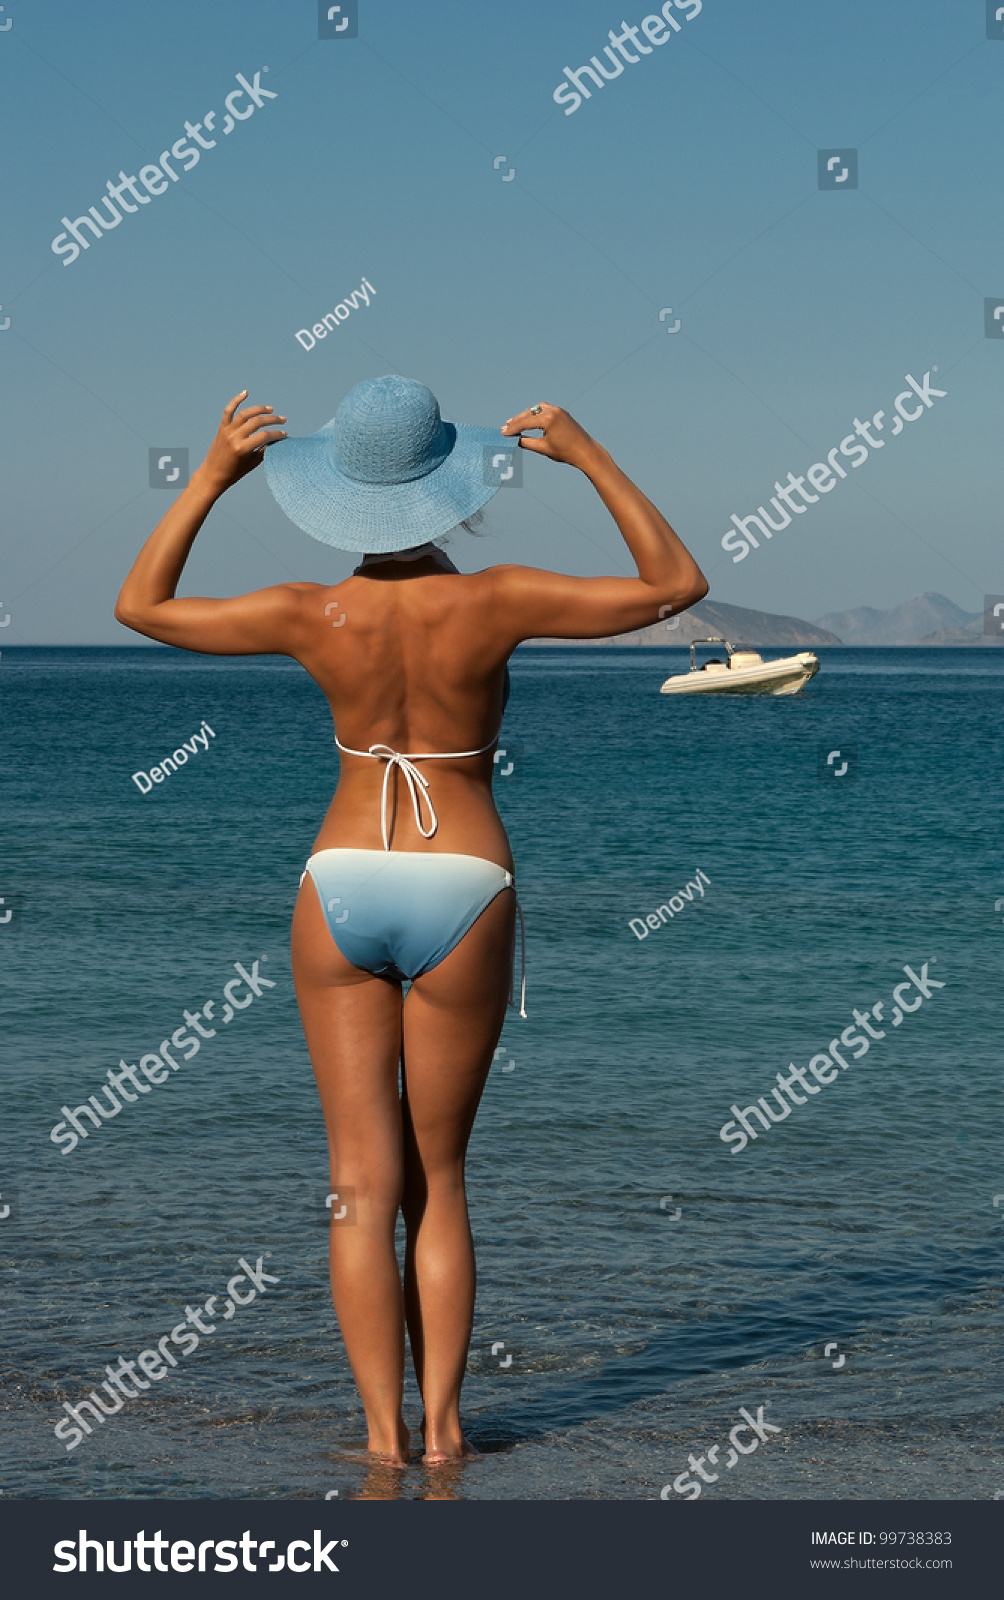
418, 786
522, 955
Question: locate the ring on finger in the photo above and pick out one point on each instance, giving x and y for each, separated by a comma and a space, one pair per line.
536, 410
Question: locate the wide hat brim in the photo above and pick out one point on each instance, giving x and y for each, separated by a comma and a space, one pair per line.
381, 517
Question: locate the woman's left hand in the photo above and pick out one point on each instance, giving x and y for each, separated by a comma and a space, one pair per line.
240, 442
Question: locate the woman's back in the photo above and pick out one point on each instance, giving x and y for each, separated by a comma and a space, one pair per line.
407, 658
411, 658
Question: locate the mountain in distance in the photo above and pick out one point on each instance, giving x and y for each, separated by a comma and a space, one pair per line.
738, 624
929, 619
972, 634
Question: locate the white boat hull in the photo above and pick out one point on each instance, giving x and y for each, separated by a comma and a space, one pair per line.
786, 676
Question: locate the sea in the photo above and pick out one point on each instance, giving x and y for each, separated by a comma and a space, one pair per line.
814, 1315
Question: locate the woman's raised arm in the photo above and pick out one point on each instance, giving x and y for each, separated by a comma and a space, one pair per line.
243, 625
550, 604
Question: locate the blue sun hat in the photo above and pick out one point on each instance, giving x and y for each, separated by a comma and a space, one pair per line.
387, 473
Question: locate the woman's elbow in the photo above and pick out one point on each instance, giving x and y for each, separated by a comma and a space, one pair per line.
129, 616
695, 590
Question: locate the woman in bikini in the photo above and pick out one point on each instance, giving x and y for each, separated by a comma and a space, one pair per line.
411, 875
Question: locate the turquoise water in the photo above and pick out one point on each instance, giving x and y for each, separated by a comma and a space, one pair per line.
646, 1282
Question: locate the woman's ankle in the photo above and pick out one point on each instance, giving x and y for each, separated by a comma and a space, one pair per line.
390, 1442
442, 1437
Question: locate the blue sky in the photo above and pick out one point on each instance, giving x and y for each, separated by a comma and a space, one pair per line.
690, 181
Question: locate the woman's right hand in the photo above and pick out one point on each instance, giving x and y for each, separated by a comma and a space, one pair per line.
563, 438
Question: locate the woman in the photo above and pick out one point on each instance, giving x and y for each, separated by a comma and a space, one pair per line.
411, 875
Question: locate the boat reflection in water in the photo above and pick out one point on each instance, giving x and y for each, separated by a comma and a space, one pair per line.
743, 672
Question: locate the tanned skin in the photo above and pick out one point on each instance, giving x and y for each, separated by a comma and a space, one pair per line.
418, 664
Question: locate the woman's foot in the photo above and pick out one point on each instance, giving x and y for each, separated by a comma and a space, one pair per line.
390, 1452
449, 1445
437, 1458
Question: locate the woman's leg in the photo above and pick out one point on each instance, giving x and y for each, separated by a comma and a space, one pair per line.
352, 1023
453, 1016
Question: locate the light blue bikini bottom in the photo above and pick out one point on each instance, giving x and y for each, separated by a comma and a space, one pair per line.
399, 913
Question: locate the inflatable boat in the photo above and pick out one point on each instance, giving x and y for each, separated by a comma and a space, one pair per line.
744, 671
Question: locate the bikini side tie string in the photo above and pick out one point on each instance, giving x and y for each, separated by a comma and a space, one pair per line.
522, 952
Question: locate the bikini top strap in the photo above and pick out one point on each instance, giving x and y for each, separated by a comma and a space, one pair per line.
418, 785
380, 751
